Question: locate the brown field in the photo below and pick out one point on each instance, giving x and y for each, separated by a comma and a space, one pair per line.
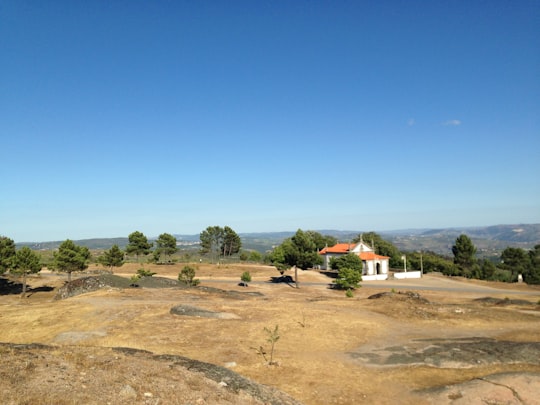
332, 349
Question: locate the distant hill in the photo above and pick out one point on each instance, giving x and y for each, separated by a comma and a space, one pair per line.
523, 233
489, 240
95, 243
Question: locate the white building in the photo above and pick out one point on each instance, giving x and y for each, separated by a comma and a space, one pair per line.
375, 267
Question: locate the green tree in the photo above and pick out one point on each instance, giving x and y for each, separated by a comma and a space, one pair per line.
289, 251
305, 254
300, 250
277, 257
487, 270
428, 261
350, 261
320, 240
26, 262
70, 257
138, 245
114, 257
502, 275
218, 241
252, 256
348, 279
211, 241
255, 256
532, 276
449, 269
231, 242
7, 253
464, 253
515, 260
349, 269
165, 246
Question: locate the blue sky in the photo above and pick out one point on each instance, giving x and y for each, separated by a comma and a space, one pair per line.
171, 116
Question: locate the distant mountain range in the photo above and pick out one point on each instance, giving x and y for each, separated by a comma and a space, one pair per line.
489, 240
523, 233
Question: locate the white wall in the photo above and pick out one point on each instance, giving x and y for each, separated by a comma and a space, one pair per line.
408, 274
375, 277
384, 266
361, 247
370, 267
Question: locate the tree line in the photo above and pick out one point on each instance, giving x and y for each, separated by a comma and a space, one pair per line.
69, 257
302, 249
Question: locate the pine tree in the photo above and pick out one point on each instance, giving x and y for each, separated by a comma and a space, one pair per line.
26, 262
70, 257
114, 257
464, 252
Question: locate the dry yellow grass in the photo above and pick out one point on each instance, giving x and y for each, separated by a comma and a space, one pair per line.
318, 328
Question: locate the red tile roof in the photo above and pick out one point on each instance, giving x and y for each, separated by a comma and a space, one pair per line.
344, 248
371, 256
339, 248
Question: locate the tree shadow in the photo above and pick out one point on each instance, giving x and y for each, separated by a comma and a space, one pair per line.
284, 279
43, 288
9, 287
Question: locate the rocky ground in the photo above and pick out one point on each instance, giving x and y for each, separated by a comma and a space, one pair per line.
41, 374
98, 340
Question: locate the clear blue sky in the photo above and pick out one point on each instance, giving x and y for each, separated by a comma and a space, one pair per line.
171, 116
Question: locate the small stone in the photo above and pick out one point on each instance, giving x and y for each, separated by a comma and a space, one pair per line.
230, 364
128, 392
222, 384
148, 394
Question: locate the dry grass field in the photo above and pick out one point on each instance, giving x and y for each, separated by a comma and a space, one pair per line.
403, 347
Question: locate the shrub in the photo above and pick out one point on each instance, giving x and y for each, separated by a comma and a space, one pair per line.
145, 273
502, 275
187, 276
349, 293
134, 280
255, 256
246, 277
